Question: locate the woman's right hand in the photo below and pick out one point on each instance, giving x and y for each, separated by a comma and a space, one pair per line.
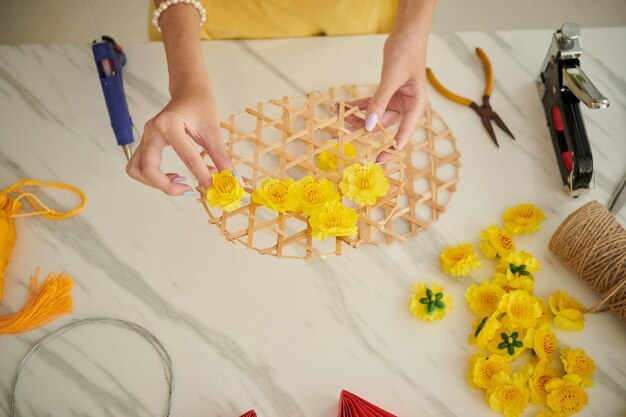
191, 116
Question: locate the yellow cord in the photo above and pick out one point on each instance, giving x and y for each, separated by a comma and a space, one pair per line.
38, 206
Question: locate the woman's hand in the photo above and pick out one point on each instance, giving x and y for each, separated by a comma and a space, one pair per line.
189, 117
401, 95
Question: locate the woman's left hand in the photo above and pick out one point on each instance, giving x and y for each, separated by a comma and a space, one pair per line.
401, 95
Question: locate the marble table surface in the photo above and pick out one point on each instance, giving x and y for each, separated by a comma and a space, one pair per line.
280, 336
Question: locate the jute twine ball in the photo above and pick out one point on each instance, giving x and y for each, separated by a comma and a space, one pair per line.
593, 244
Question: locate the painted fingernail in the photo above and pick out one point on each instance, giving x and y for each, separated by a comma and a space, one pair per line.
191, 194
370, 121
239, 178
179, 179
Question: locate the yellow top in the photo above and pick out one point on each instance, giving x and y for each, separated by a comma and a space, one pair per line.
257, 19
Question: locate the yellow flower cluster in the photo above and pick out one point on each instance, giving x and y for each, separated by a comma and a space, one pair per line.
318, 198
511, 322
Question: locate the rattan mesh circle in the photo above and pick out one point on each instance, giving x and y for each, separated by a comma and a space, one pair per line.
282, 137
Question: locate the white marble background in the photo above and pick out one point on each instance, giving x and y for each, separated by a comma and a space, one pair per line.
282, 337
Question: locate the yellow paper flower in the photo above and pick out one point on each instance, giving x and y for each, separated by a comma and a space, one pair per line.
508, 342
524, 218
312, 193
328, 161
508, 392
459, 260
569, 312
482, 368
566, 395
364, 184
276, 195
545, 313
519, 264
521, 307
225, 192
430, 303
543, 341
496, 242
542, 374
483, 299
484, 330
333, 219
576, 362
511, 283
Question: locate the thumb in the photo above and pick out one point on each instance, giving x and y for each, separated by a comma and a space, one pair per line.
378, 104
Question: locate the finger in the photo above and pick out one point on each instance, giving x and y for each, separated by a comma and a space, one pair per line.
404, 133
216, 149
378, 103
190, 156
151, 158
361, 103
388, 118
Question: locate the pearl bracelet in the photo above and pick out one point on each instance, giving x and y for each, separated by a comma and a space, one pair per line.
168, 3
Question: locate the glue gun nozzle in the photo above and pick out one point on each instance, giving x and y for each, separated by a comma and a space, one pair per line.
128, 151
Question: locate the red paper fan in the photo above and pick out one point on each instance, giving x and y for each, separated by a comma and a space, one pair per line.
352, 406
250, 413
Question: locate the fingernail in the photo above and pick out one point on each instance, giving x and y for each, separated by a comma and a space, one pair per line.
179, 179
191, 194
370, 121
238, 176
380, 162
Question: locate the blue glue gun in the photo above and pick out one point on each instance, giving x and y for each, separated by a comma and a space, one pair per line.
110, 59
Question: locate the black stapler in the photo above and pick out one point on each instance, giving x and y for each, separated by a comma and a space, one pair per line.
562, 85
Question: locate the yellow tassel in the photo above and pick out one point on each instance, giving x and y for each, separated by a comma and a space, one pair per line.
45, 303
11, 205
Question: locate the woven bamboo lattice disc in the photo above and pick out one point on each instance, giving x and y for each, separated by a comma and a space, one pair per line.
282, 138
431, 163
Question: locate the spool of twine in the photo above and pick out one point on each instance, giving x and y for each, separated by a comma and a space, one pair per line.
593, 244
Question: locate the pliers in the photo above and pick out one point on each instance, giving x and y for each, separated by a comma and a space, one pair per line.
485, 112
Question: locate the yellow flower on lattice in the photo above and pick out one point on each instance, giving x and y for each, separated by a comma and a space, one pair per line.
364, 184
542, 374
482, 369
225, 192
576, 362
508, 393
569, 312
521, 308
511, 283
312, 194
328, 161
333, 219
566, 395
518, 264
484, 330
543, 341
524, 218
429, 303
459, 260
276, 195
496, 242
483, 299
